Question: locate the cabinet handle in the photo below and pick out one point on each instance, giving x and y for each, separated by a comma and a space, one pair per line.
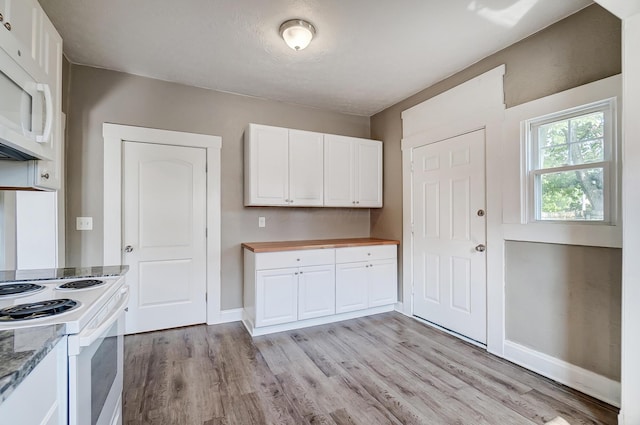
7, 25
300, 272
45, 176
296, 273
1, 17
357, 202
297, 259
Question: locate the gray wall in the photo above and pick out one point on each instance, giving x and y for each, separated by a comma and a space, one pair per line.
577, 316
580, 49
97, 96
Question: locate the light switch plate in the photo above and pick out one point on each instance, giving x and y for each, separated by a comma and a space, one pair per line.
84, 223
262, 222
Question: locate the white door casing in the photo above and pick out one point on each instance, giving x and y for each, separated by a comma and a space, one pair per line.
164, 224
449, 273
115, 136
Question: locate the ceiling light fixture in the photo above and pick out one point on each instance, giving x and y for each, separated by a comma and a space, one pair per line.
297, 33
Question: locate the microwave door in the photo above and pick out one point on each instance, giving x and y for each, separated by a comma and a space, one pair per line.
16, 106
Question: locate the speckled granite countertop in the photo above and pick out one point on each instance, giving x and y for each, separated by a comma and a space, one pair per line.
20, 352
66, 273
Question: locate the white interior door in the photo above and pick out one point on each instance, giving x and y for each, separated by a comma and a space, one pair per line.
164, 225
449, 264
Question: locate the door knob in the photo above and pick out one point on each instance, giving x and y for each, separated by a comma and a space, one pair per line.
128, 248
481, 248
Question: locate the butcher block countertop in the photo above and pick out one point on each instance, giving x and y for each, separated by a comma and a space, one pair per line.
315, 244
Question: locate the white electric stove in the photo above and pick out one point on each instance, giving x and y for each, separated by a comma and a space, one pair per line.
92, 312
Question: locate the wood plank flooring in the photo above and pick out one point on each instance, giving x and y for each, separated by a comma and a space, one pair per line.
383, 369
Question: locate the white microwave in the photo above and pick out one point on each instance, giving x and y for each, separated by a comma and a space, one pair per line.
26, 113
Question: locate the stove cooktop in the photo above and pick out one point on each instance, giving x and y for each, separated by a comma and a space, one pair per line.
89, 297
37, 310
19, 289
78, 285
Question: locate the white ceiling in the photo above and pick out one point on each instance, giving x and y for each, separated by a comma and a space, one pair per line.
367, 54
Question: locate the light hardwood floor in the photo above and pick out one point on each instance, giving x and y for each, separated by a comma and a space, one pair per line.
384, 369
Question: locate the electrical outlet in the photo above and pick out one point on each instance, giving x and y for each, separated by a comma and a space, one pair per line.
262, 222
84, 223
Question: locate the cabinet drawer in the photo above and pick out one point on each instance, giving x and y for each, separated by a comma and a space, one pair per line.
283, 259
365, 253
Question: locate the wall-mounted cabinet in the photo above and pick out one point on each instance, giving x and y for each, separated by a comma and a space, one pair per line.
282, 167
29, 39
294, 168
352, 172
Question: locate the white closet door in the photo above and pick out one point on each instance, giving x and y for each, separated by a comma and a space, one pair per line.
164, 224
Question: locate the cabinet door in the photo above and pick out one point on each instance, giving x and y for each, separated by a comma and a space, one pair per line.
306, 151
276, 296
339, 171
267, 168
351, 287
21, 15
368, 180
383, 282
316, 292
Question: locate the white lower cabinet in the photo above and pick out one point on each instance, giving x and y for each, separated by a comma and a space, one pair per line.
297, 288
277, 296
316, 291
351, 288
41, 399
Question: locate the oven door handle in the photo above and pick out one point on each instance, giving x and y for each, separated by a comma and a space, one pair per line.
87, 340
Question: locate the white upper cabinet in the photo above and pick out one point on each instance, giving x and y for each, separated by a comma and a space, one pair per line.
305, 168
283, 167
18, 33
30, 39
266, 165
295, 168
352, 172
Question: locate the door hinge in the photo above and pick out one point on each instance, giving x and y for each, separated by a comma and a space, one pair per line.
206, 296
206, 167
412, 166
412, 228
206, 232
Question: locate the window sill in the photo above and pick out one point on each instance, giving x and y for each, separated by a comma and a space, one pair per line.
601, 235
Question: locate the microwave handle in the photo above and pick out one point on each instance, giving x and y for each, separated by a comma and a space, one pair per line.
48, 124
87, 340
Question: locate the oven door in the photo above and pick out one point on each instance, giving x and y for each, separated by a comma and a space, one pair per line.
96, 368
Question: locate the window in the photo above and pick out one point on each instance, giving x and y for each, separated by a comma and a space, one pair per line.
571, 162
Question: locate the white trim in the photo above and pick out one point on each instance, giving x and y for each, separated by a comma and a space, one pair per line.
516, 192
600, 235
399, 307
253, 331
230, 315
114, 135
630, 412
475, 104
573, 376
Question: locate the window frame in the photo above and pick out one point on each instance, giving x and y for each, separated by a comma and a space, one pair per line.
609, 164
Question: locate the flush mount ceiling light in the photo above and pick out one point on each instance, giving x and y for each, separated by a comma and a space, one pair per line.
297, 33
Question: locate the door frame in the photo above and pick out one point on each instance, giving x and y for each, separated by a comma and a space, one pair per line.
474, 105
114, 136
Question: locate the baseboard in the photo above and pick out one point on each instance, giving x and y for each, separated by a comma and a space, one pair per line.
573, 376
399, 307
231, 315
